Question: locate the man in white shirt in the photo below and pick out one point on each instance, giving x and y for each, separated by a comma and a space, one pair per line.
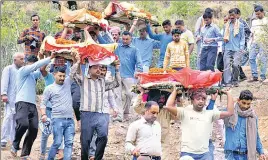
196, 123
257, 46
144, 135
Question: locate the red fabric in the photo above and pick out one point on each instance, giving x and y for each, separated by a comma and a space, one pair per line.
93, 51
187, 77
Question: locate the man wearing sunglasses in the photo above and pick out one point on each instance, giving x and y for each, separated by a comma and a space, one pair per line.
32, 37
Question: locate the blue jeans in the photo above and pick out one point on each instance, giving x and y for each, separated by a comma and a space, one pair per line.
245, 58
229, 155
232, 62
44, 137
92, 148
211, 150
208, 58
204, 156
94, 122
256, 49
62, 127
161, 61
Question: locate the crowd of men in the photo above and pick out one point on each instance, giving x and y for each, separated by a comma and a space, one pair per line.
92, 92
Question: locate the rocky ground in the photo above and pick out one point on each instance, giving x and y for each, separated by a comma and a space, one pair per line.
117, 131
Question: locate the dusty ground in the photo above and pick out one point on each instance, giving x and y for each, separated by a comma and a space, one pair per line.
117, 131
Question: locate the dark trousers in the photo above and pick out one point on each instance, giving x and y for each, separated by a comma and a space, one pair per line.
220, 65
242, 73
26, 118
208, 58
90, 122
76, 107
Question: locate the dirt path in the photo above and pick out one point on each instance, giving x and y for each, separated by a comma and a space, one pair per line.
117, 131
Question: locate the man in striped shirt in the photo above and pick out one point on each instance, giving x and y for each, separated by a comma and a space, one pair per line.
93, 115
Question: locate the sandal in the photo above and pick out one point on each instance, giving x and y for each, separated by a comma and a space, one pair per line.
13, 151
25, 158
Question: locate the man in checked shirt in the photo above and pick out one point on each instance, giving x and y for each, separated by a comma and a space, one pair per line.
94, 118
32, 37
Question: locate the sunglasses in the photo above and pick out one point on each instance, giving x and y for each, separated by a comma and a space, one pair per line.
35, 20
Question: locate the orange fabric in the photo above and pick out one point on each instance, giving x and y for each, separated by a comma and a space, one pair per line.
82, 15
92, 51
187, 77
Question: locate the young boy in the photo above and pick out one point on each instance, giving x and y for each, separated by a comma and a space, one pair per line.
242, 137
177, 54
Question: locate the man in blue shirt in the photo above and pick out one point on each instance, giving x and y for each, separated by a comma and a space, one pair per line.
210, 35
8, 96
131, 63
233, 47
242, 137
144, 44
164, 39
26, 113
245, 56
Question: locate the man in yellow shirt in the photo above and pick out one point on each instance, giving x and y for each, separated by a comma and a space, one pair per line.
186, 35
177, 53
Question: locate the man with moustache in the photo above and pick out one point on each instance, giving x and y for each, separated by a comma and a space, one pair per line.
8, 96
144, 135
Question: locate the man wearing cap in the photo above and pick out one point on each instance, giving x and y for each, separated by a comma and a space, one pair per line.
8, 96
26, 113
115, 31
144, 44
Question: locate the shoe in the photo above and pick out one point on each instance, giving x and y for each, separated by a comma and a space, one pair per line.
243, 79
261, 80
255, 79
3, 145
25, 158
117, 119
227, 85
13, 151
236, 85
59, 155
